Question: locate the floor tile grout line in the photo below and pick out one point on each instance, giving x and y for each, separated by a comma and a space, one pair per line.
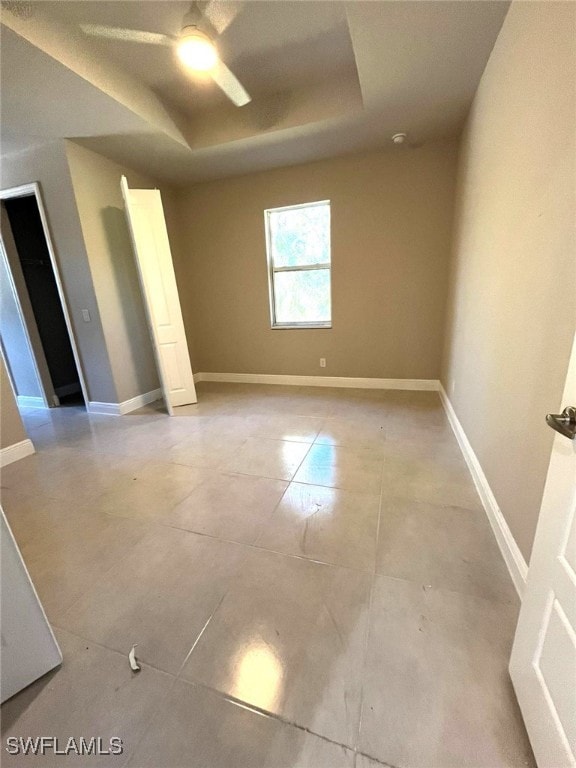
239, 702
254, 544
102, 574
138, 740
261, 548
159, 669
369, 620
378, 761
115, 650
301, 462
204, 628
59, 626
225, 593
173, 680
177, 677
280, 479
264, 712
270, 517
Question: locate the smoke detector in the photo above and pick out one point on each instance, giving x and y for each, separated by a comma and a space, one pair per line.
399, 138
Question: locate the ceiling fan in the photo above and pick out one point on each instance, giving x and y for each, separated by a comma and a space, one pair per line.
194, 47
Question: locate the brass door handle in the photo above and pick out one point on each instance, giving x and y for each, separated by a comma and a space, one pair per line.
564, 422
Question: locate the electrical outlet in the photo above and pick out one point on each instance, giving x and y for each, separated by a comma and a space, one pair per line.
322, 362
86, 315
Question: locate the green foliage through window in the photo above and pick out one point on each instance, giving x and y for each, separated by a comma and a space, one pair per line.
298, 241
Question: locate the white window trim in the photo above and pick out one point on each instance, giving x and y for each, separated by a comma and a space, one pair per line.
274, 325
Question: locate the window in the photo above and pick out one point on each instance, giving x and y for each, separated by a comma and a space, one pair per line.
298, 245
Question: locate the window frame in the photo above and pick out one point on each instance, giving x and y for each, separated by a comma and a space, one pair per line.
274, 324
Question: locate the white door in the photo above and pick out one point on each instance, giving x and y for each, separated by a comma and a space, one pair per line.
29, 648
543, 663
152, 251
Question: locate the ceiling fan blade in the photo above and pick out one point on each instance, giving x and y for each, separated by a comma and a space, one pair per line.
126, 35
230, 84
219, 13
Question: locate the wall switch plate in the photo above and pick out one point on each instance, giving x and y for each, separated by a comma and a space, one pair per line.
86, 315
322, 362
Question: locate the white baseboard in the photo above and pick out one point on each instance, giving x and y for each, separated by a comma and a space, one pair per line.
15, 452
119, 409
140, 401
31, 402
513, 558
103, 409
350, 382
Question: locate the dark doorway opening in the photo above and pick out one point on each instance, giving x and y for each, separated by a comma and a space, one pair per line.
34, 257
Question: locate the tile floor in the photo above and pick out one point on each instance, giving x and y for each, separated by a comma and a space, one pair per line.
308, 574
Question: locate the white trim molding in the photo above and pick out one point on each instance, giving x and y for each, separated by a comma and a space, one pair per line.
16, 452
34, 189
140, 401
31, 402
349, 382
120, 409
513, 558
24, 325
103, 409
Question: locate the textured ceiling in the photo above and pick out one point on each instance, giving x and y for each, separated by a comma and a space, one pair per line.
270, 46
325, 78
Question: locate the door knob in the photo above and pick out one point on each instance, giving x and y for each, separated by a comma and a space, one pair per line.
564, 422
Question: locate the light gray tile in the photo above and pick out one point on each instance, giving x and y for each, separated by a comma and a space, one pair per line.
352, 469
159, 596
418, 423
68, 549
290, 633
93, 693
436, 685
134, 439
352, 433
302, 429
30, 513
363, 761
445, 547
151, 493
233, 507
425, 447
319, 403
205, 448
268, 458
326, 524
436, 479
197, 728
289, 638
60, 473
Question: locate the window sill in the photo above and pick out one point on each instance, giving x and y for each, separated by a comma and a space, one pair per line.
298, 326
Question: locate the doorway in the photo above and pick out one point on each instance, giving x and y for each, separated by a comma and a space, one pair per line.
37, 336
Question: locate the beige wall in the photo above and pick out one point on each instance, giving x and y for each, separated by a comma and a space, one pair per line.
511, 310
391, 224
11, 427
48, 165
96, 182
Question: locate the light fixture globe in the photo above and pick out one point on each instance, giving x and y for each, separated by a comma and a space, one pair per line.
196, 50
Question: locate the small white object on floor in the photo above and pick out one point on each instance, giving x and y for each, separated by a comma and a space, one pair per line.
132, 659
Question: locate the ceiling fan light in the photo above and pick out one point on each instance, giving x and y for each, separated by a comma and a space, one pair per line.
196, 51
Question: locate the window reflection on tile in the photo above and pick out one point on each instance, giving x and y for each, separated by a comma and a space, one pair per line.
258, 676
